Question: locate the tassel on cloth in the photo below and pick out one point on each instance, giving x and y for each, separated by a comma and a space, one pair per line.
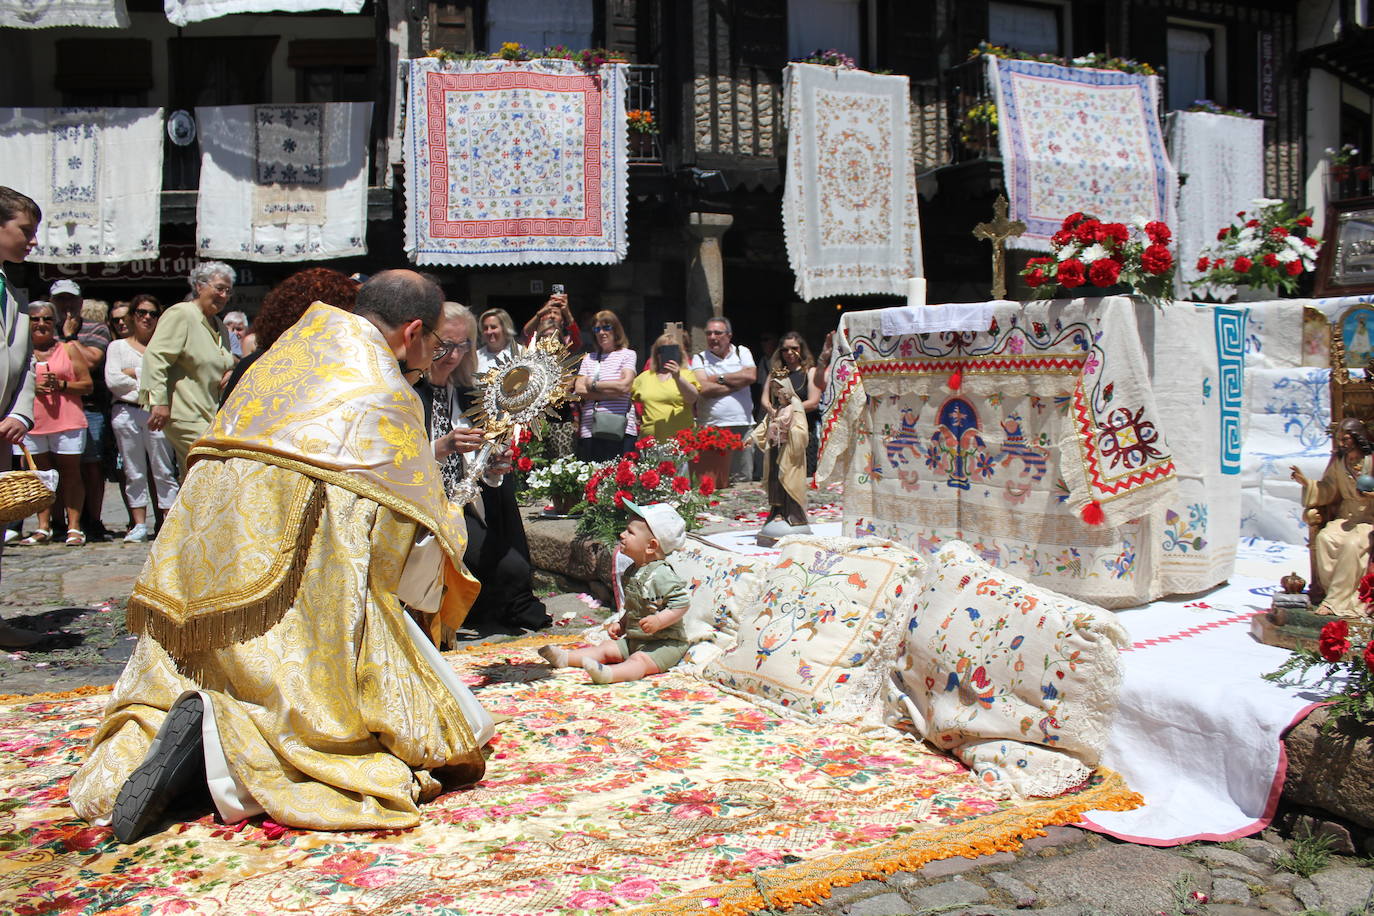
956, 380
1093, 514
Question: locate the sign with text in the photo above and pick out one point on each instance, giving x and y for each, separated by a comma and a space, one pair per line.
174, 262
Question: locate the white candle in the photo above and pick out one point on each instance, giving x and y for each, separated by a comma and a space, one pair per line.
916, 291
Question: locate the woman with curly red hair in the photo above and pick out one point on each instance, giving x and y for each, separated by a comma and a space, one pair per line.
284, 306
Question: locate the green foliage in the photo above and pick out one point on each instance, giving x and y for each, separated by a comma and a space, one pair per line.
1307, 854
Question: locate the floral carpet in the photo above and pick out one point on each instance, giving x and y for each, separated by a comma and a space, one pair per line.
662, 795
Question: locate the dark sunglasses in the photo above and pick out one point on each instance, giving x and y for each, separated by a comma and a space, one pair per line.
147, 313
604, 327
42, 319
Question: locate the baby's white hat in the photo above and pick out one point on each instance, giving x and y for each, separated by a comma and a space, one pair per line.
664, 522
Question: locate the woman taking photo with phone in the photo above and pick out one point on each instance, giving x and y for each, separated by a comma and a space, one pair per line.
667, 390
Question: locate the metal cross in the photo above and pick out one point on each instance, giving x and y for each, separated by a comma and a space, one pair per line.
997, 232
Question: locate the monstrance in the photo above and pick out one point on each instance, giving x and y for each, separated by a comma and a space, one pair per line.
512, 396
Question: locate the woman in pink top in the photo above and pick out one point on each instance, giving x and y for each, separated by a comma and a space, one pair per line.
58, 437
609, 426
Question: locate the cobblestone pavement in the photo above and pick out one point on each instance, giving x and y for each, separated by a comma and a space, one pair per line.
77, 595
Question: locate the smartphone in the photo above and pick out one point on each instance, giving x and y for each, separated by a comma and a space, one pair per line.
669, 353
557, 289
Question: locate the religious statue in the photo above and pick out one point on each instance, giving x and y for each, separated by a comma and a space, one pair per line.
782, 437
1344, 500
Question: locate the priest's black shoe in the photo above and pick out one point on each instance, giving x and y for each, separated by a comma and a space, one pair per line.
174, 766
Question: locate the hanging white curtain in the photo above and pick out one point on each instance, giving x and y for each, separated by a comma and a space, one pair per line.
1187, 75
1033, 29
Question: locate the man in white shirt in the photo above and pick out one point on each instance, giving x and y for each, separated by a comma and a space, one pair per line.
725, 373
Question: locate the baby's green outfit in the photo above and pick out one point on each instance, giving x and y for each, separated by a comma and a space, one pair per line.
649, 589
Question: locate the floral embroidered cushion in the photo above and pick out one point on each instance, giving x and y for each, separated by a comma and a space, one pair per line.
723, 585
994, 664
827, 629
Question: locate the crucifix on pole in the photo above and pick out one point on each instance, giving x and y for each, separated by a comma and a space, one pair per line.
997, 232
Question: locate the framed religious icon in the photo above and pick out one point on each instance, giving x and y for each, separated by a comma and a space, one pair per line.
1347, 258
1356, 328
1352, 350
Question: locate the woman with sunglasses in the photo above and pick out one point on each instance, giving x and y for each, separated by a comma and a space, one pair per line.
609, 427
58, 437
497, 553
793, 357
140, 448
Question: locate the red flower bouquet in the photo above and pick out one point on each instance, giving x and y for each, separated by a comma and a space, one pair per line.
649, 475
707, 439
1346, 650
1266, 247
1091, 253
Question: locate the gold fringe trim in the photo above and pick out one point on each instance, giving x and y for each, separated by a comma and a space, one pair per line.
810, 882
73, 694
215, 629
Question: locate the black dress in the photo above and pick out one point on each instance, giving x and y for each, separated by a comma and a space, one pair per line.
798, 379
497, 553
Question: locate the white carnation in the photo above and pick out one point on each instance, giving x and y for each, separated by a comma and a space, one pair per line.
1068, 251
1094, 252
1266, 202
1287, 256
1249, 246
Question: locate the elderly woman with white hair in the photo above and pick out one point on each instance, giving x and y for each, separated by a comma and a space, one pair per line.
188, 359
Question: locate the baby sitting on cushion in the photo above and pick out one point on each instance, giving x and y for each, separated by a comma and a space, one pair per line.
649, 638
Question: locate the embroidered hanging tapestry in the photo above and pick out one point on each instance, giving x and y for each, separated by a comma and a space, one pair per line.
283, 182
182, 12
95, 172
1076, 140
1223, 157
47, 14
849, 208
515, 163
1003, 438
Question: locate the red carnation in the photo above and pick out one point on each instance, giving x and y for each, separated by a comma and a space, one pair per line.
1071, 273
1221, 234
1304, 220
1366, 589
1061, 238
1203, 263
1072, 219
1294, 268
1333, 641
624, 474
515, 451
708, 486
525, 436
1036, 278
1118, 232
524, 463
1104, 271
1039, 262
1088, 231
1156, 259
681, 484
645, 442
620, 497
1279, 232
1219, 263
631, 456
650, 479
1240, 214
666, 467
1310, 242
1270, 260
1369, 655
1158, 232
1242, 265
1252, 224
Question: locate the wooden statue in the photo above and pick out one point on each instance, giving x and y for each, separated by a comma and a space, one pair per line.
1340, 511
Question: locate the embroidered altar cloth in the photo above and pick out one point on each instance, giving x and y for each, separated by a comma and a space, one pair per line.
1074, 139
515, 163
1060, 405
95, 172
283, 182
849, 209
47, 14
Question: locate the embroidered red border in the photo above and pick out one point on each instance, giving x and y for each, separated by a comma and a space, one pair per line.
438, 84
1095, 478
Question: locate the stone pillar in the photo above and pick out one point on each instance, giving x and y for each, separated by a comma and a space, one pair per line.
705, 273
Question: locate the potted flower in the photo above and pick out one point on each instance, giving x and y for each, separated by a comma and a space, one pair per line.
649, 475
642, 127
1091, 253
1267, 250
562, 482
1342, 160
978, 128
511, 50
1349, 668
708, 449
829, 57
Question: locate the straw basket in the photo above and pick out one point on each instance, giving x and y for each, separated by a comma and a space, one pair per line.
22, 493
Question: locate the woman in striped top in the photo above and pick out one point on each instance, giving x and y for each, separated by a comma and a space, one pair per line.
609, 426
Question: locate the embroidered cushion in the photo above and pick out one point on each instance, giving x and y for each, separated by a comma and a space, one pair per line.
826, 631
994, 662
724, 585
